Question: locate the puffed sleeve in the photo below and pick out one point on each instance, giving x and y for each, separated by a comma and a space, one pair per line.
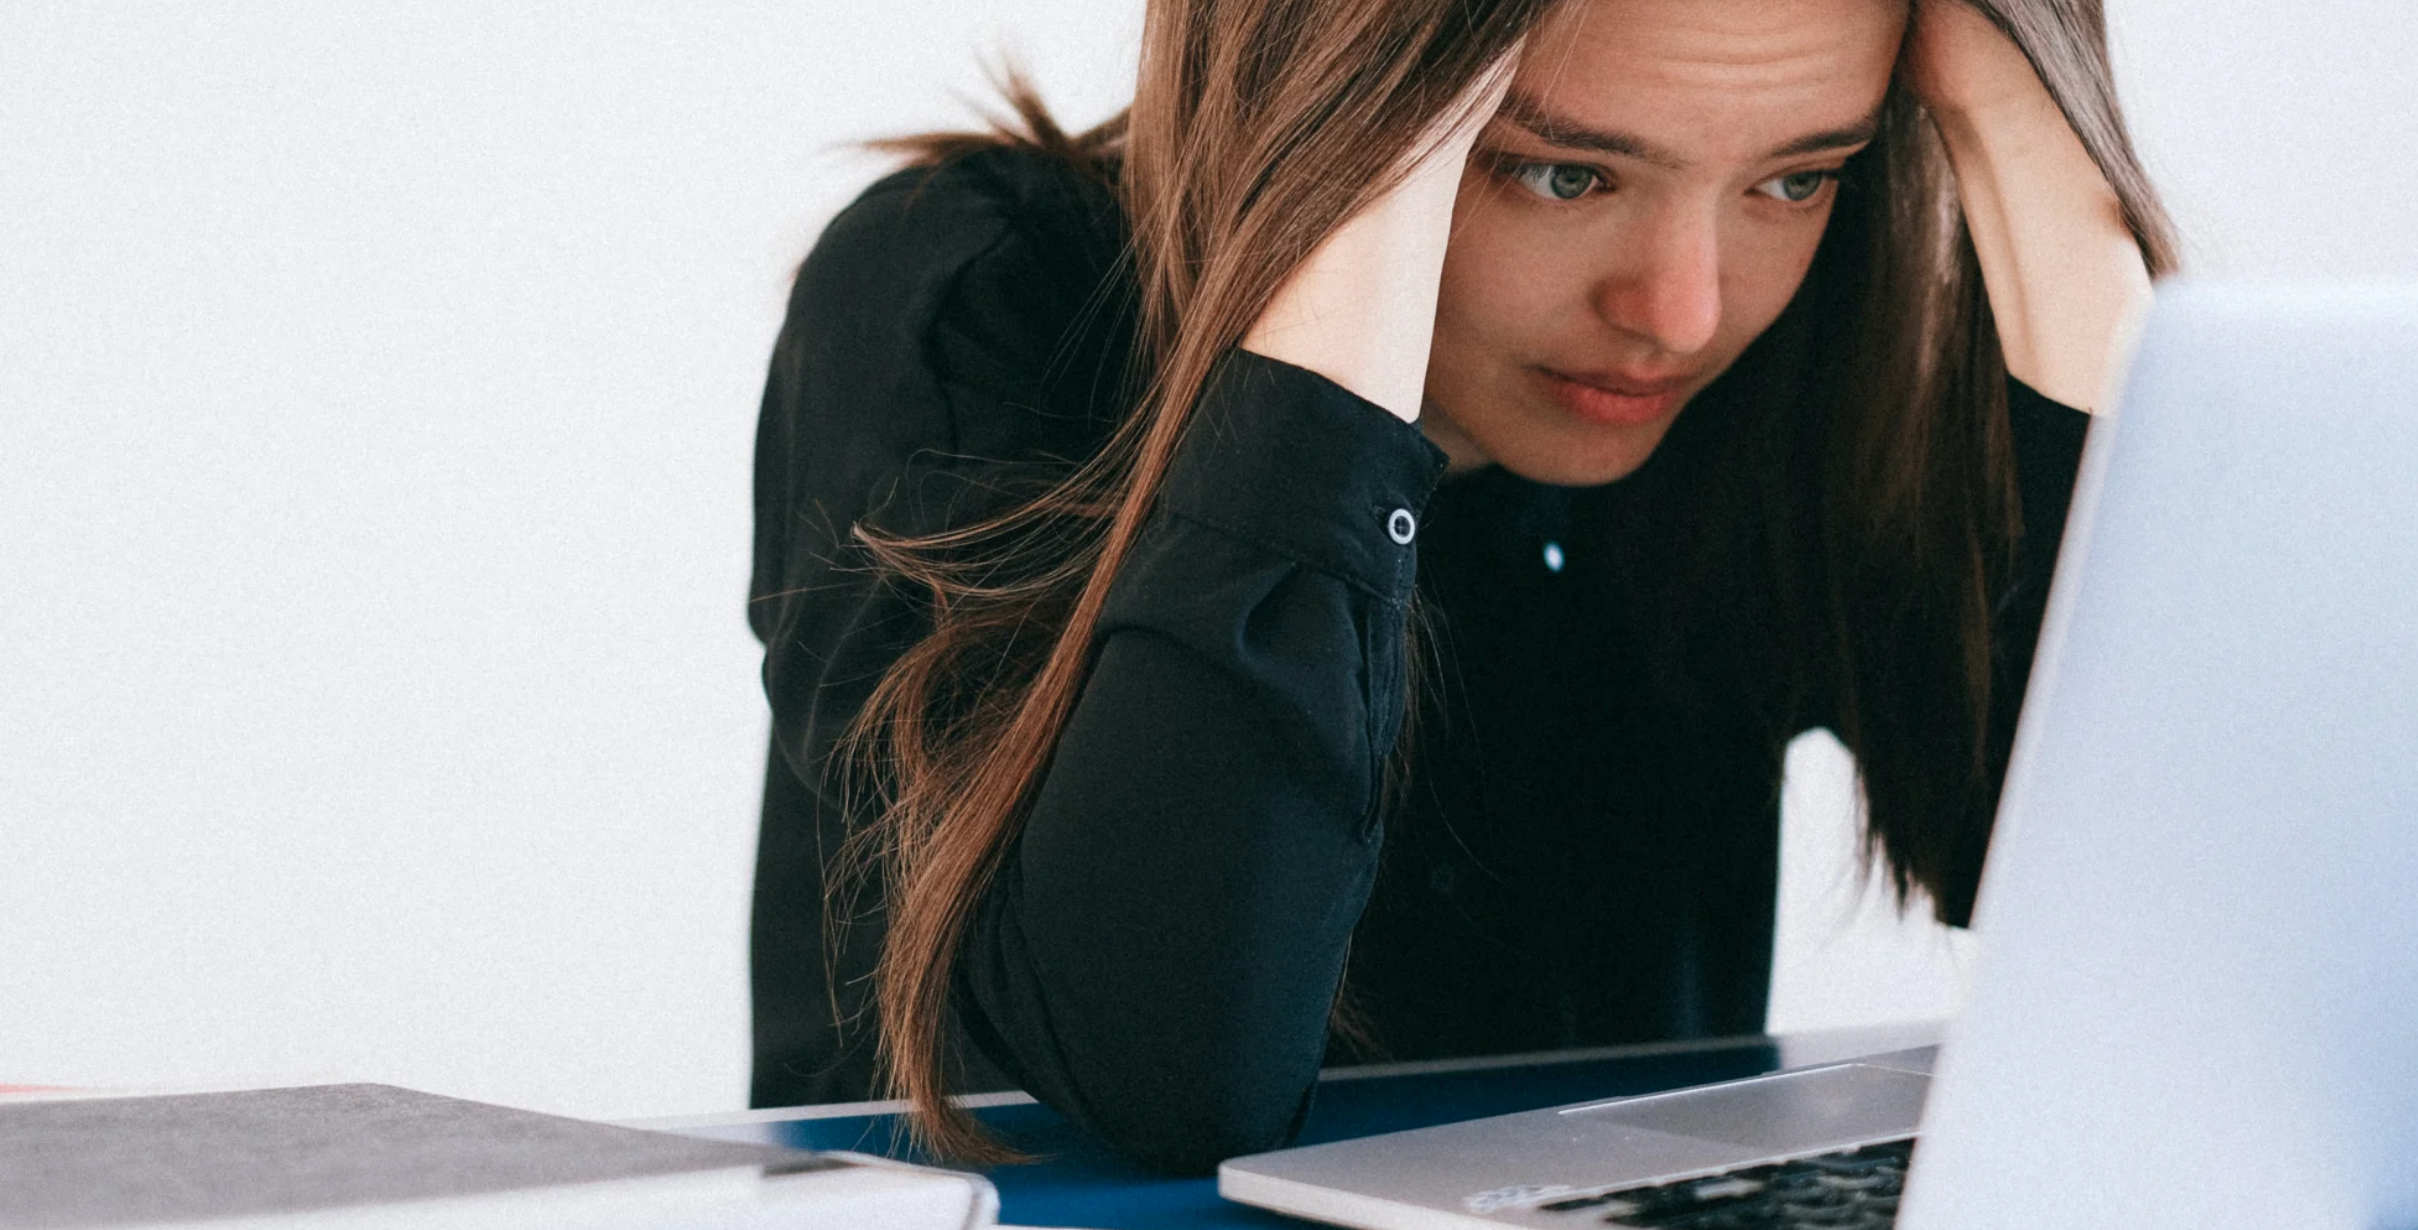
1157, 956
926, 369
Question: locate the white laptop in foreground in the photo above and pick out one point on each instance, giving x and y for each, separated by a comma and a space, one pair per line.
2197, 1003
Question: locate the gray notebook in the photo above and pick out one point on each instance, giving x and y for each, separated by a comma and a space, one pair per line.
269, 1152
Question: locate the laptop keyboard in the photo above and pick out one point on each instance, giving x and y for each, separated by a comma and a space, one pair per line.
1854, 1190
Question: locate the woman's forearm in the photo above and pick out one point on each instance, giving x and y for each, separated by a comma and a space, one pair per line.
1160, 952
1361, 311
2066, 279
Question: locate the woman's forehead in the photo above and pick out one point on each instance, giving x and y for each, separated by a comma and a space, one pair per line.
1723, 75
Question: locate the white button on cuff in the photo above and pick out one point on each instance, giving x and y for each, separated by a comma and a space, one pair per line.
1402, 526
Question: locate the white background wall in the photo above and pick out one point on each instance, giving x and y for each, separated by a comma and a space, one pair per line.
376, 394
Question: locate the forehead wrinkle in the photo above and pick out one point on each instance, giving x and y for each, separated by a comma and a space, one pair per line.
1553, 129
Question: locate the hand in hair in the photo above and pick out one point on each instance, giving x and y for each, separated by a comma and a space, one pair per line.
1361, 311
1958, 60
2065, 273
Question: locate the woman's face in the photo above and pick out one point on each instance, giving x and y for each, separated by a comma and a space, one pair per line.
1646, 204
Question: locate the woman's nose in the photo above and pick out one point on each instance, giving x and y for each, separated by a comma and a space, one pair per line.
1668, 289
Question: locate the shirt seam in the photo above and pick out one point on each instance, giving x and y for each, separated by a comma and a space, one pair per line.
1292, 556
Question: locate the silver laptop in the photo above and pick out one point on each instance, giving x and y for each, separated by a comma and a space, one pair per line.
2197, 1004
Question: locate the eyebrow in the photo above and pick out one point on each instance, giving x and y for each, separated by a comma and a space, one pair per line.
1553, 129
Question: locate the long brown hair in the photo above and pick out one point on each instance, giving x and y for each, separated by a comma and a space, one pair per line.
1257, 127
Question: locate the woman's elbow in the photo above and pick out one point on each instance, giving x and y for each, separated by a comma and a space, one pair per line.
1188, 1122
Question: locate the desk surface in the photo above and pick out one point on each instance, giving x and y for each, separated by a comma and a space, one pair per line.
1080, 1184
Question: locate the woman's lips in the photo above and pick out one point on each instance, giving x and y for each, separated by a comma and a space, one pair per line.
1614, 401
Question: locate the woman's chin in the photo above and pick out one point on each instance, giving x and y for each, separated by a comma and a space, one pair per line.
1583, 456
1543, 440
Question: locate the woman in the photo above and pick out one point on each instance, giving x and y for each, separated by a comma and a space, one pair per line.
1097, 476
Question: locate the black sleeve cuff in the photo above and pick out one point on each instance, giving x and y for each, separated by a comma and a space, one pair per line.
1287, 458
2048, 437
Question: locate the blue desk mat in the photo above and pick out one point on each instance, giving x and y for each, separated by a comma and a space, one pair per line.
1078, 1183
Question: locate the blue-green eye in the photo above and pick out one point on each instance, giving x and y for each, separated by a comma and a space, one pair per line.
1556, 181
1798, 188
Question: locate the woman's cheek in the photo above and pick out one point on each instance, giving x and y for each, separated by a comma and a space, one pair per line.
1764, 267
1510, 273
1484, 280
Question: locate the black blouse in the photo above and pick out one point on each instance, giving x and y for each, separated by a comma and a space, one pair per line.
1160, 954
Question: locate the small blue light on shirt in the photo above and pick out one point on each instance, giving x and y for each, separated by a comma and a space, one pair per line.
1553, 557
